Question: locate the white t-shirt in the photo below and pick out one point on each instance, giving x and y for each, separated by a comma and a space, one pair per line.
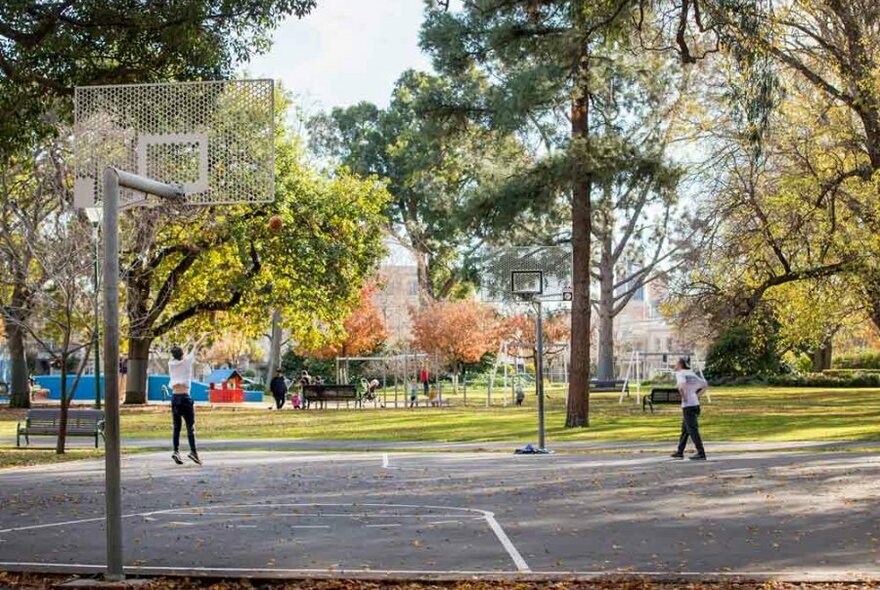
181, 372
689, 383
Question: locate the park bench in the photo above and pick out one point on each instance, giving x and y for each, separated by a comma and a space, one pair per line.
330, 393
45, 422
612, 385
661, 395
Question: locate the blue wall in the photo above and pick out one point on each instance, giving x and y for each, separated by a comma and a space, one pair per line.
85, 391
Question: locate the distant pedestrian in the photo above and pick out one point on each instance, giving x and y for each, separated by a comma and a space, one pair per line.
180, 370
424, 378
304, 379
413, 396
691, 386
278, 387
520, 395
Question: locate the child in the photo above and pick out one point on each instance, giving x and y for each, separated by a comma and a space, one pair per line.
295, 401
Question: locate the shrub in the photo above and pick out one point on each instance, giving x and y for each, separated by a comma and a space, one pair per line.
848, 373
745, 350
824, 380
867, 359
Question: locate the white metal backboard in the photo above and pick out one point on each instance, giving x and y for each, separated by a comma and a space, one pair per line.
508, 274
216, 139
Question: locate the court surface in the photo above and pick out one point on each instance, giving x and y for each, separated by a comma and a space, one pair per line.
791, 515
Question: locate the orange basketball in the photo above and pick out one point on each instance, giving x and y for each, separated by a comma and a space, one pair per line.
275, 223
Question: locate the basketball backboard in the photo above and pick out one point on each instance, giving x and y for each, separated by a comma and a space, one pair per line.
216, 139
514, 274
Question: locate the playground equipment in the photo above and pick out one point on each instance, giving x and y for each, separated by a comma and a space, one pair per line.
643, 366
512, 357
197, 143
396, 373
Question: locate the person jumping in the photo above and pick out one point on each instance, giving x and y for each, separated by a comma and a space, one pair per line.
180, 369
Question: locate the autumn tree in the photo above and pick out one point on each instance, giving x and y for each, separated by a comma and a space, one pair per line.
232, 348
363, 331
181, 268
459, 332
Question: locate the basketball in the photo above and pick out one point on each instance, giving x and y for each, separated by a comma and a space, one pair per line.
275, 223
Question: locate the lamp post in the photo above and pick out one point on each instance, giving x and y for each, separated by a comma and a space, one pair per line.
94, 215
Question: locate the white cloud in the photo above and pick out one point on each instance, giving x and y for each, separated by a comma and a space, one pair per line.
345, 51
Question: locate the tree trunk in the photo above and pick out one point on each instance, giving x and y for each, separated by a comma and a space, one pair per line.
822, 357
578, 406
275, 347
62, 420
138, 362
20, 391
606, 311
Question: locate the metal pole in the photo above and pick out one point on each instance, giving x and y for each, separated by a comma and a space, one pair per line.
539, 372
113, 179
97, 329
112, 459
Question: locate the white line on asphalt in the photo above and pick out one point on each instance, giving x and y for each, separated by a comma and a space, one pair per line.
446, 522
385, 461
320, 515
386, 525
521, 564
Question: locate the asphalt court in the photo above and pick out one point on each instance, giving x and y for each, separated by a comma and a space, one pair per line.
784, 514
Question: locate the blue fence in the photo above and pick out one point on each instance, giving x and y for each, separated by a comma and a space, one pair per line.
85, 391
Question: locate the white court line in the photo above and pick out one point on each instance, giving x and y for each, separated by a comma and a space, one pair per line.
446, 522
489, 517
796, 575
319, 515
385, 461
521, 564
383, 526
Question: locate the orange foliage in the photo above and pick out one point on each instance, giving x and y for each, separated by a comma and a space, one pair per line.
458, 331
364, 330
521, 328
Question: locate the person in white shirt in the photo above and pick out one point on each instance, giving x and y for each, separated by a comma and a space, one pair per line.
180, 369
691, 386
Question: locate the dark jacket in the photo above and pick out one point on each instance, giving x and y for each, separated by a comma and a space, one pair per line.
278, 386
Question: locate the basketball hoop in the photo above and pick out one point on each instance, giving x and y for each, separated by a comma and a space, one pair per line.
199, 143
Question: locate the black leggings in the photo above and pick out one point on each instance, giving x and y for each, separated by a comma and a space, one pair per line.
182, 410
690, 427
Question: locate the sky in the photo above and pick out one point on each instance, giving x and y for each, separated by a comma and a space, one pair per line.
344, 52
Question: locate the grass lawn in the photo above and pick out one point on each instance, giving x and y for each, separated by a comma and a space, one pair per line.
735, 414
12, 457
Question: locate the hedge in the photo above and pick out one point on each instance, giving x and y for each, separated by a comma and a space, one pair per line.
824, 380
868, 359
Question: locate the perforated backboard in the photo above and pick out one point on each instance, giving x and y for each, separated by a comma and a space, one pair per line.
526, 282
514, 274
214, 138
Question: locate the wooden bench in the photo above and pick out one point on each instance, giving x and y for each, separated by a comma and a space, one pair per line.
661, 395
330, 393
612, 385
45, 422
